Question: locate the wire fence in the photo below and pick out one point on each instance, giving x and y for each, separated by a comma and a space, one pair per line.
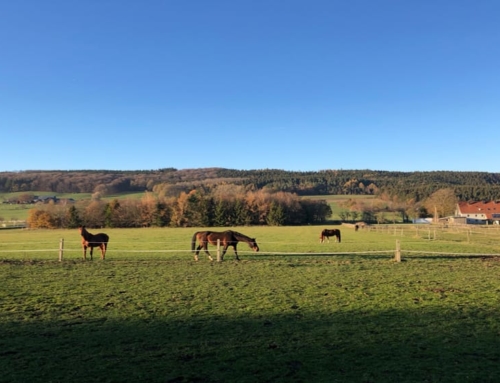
51, 250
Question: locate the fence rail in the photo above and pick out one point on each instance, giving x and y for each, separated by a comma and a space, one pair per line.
396, 253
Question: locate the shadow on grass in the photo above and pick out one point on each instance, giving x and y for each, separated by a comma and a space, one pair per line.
378, 256
343, 346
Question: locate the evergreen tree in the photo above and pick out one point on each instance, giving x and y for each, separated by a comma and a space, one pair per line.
276, 216
73, 218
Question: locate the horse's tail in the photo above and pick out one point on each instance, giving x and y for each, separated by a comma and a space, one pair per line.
193, 241
338, 235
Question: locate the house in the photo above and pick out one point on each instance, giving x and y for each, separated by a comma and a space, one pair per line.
45, 199
478, 212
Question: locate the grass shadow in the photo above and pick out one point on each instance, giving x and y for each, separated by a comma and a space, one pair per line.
342, 346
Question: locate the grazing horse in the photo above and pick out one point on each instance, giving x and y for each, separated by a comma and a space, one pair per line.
226, 238
93, 240
327, 233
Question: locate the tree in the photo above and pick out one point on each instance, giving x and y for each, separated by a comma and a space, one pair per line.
73, 218
276, 216
40, 219
441, 203
94, 214
111, 214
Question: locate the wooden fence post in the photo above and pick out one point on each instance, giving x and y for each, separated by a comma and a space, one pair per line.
218, 250
397, 255
61, 249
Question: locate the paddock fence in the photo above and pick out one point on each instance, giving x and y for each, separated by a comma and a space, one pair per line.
407, 244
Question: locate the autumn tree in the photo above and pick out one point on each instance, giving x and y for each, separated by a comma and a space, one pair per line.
441, 203
40, 219
94, 214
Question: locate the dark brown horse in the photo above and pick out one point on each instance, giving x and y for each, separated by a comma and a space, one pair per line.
327, 233
226, 238
93, 240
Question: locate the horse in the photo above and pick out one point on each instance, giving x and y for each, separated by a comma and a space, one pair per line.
226, 238
327, 233
93, 240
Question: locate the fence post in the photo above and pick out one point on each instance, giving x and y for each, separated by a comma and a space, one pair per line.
397, 255
218, 250
61, 249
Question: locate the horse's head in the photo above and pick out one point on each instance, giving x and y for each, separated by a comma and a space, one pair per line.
83, 231
253, 245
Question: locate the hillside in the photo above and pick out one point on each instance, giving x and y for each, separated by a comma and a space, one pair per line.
416, 185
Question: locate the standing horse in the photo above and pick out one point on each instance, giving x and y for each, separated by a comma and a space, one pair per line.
93, 240
327, 233
226, 238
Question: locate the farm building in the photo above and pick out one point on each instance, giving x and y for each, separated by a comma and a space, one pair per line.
479, 213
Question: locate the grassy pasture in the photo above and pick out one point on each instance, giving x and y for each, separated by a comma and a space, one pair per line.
298, 311
335, 200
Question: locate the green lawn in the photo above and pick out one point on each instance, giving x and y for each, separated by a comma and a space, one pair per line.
298, 311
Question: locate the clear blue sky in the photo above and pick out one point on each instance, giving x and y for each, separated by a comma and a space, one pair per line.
303, 85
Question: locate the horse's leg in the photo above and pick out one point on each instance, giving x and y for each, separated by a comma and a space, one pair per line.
102, 250
224, 250
205, 247
236, 253
91, 253
84, 252
196, 254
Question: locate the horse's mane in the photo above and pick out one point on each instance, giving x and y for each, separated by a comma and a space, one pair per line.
239, 236
84, 232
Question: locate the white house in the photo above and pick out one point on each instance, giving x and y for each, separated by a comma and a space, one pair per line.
476, 212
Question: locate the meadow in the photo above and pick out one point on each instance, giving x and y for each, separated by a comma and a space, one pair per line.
297, 311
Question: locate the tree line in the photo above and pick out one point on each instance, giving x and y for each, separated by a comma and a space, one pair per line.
228, 205
170, 182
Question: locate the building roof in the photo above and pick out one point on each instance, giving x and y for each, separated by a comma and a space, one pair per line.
491, 209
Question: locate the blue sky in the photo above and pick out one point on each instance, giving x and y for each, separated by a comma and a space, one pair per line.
250, 84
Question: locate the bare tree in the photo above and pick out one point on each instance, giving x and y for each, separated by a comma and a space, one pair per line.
441, 203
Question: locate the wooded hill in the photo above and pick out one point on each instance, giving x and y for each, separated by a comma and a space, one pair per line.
407, 185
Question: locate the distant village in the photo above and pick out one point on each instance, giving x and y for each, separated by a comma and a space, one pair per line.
37, 200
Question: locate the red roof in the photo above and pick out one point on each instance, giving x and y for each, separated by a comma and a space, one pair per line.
490, 209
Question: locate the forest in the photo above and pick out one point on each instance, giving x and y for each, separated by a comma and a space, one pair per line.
416, 186
225, 197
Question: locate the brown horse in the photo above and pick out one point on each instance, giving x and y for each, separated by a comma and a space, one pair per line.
327, 233
226, 238
93, 240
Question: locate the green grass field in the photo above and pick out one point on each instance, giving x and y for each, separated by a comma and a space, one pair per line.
298, 311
